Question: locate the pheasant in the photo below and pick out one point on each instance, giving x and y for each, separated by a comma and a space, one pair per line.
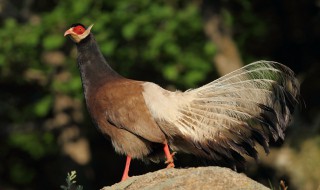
221, 120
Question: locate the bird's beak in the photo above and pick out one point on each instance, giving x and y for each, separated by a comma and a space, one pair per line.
68, 32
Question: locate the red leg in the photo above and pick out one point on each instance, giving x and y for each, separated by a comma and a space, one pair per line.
169, 156
126, 169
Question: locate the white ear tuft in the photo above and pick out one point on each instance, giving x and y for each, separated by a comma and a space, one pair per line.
86, 33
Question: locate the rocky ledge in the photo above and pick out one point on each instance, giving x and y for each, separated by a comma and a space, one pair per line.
215, 178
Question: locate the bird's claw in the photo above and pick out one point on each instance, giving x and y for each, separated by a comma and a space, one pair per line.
170, 161
170, 165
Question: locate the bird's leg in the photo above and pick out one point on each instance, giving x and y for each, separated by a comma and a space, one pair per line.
169, 156
126, 169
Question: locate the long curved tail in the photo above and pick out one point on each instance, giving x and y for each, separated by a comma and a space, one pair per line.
223, 119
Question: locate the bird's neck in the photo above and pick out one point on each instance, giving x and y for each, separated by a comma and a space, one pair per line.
93, 67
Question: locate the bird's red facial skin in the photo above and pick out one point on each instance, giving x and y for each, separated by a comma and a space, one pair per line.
78, 29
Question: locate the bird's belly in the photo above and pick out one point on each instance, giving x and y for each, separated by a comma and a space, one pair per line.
127, 143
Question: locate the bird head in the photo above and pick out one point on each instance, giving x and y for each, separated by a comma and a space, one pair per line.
78, 32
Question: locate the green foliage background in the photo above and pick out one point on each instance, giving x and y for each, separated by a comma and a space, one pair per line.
160, 41
138, 37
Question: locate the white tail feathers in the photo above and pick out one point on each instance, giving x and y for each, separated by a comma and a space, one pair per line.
251, 103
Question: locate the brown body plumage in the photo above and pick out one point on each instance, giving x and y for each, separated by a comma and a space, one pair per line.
221, 120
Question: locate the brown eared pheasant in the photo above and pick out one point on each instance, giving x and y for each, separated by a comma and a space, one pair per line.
221, 120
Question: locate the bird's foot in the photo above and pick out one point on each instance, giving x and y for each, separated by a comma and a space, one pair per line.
170, 161
170, 165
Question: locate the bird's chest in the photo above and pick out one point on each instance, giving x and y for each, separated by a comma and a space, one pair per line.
106, 103
97, 106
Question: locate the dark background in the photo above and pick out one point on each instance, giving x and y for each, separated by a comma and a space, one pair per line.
45, 129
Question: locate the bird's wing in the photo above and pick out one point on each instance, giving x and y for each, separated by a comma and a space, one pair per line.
225, 117
125, 108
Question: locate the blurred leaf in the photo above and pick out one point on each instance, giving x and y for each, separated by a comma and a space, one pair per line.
170, 72
2, 60
43, 106
193, 77
34, 144
172, 49
108, 48
72, 86
81, 7
210, 49
227, 18
53, 41
129, 30
21, 174
10, 23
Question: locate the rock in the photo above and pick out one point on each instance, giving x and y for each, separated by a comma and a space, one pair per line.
216, 178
